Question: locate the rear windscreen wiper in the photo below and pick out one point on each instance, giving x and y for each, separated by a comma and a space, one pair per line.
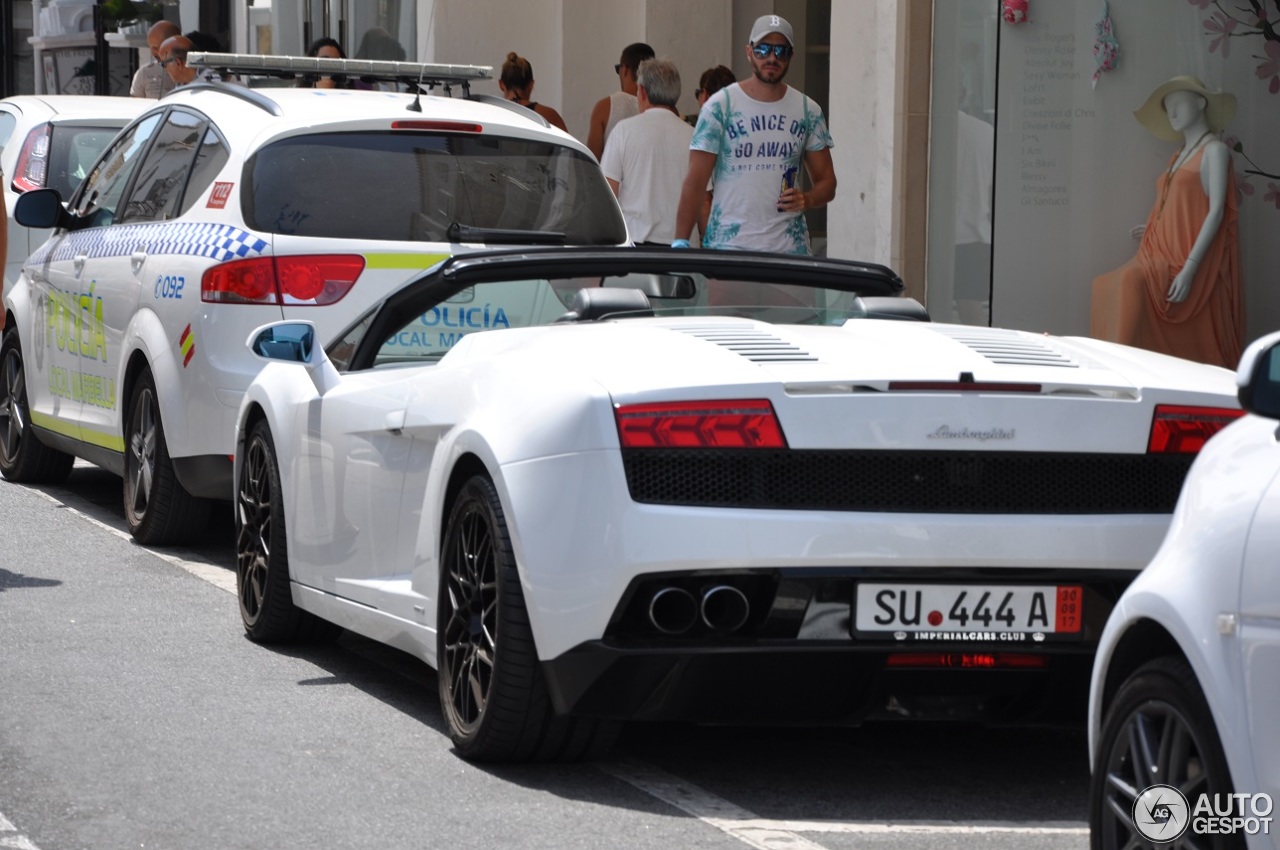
459, 232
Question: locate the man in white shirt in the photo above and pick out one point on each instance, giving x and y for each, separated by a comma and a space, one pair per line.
753, 138
646, 156
151, 81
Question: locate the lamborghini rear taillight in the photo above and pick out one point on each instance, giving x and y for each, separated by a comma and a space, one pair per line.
32, 171
737, 424
1179, 429
314, 280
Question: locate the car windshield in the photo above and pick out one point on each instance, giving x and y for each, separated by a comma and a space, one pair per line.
413, 186
72, 153
426, 335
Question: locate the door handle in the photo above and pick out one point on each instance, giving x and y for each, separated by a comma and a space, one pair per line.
78, 262
137, 259
395, 421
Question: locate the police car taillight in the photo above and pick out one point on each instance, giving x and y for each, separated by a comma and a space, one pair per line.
1179, 429
33, 162
308, 280
318, 280
736, 424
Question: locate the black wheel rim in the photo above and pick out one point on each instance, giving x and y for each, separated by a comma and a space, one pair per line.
140, 458
13, 405
253, 536
1156, 746
471, 622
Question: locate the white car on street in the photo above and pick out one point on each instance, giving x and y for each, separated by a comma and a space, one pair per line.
1186, 688
223, 208
51, 141
705, 485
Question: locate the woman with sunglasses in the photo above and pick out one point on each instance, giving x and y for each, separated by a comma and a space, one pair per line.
753, 137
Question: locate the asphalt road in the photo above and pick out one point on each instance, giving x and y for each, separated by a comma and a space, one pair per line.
135, 714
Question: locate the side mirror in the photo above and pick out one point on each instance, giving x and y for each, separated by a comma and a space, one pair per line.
295, 342
41, 209
1258, 378
288, 341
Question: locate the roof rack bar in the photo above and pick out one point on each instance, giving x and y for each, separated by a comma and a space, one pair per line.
266, 104
510, 104
365, 69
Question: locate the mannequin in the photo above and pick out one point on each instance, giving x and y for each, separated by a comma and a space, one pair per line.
1181, 294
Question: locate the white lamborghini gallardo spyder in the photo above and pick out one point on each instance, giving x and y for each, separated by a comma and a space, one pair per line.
591, 485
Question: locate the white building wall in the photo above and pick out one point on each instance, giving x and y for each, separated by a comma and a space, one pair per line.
483, 32
574, 44
595, 31
864, 63
696, 36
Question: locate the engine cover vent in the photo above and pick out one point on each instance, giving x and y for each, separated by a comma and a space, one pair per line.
1011, 348
750, 342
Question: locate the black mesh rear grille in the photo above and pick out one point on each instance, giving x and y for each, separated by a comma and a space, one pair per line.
908, 482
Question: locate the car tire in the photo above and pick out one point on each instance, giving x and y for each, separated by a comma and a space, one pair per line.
158, 509
23, 458
262, 551
1160, 702
492, 693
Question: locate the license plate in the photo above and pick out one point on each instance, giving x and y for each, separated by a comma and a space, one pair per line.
968, 612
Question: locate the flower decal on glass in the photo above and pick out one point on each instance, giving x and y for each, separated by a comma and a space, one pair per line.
1270, 67
1273, 195
1253, 19
1221, 26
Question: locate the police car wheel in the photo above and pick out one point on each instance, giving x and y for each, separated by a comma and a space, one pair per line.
1158, 730
23, 458
159, 510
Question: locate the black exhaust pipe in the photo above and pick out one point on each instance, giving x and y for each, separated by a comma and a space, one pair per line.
725, 608
673, 610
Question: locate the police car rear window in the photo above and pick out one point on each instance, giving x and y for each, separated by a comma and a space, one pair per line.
412, 186
72, 152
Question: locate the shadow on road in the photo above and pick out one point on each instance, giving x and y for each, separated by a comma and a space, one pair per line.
14, 581
876, 773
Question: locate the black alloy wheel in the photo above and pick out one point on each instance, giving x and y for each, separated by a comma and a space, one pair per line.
492, 693
158, 509
262, 557
470, 599
23, 458
1158, 730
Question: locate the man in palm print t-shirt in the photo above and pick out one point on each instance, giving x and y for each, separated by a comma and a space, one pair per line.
749, 144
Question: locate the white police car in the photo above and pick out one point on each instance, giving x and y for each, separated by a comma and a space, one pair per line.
224, 208
51, 141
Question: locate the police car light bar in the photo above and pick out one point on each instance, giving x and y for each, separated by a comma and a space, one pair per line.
363, 69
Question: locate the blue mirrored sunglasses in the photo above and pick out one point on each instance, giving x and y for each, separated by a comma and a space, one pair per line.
781, 51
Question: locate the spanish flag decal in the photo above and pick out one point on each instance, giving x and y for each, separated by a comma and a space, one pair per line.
187, 344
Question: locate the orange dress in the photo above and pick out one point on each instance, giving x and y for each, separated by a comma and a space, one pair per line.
1129, 304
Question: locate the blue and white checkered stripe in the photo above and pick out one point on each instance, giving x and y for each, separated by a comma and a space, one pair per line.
218, 242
